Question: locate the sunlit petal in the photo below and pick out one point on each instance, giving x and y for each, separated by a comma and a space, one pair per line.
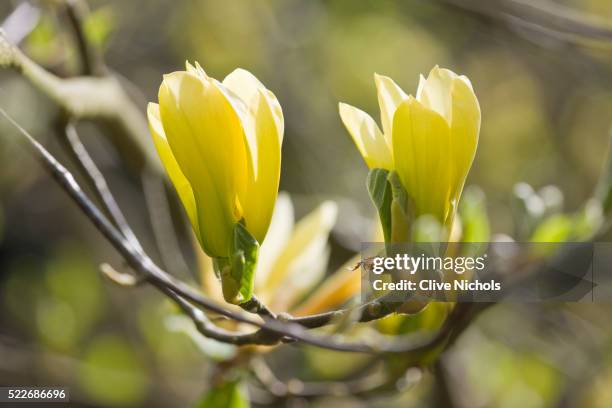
390, 95
180, 182
207, 139
421, 147
295, 266
367, 137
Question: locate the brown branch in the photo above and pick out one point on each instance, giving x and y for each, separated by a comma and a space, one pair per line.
96, 179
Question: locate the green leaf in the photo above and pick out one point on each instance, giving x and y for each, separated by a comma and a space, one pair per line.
237, 272
380, 194
244, 261
400, 215
226, 395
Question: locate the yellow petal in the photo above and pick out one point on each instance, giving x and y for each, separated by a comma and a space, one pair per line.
299, 265
246, 86
435, 92
196, 70
390, 95
264, 126
367, 136
452, 97
421, 149
334, 291
178, 179
465, 127
277, 237
206, 136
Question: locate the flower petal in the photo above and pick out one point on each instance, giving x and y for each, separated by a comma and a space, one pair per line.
246, 86
206, 136
367, 136
264, 125
435, 92
390, 95
334, 291
465, 127
178, 179
421, 148
277, 237
302, 261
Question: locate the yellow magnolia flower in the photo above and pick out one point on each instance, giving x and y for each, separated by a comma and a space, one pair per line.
220, 143
430, 140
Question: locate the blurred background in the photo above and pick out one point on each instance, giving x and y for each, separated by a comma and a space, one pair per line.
544, 82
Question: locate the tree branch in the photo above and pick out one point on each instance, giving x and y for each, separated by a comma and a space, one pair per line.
544, 16
94, 177
298, 388
101, 99
91, 61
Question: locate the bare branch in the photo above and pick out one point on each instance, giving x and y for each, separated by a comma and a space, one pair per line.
373, 310
210, 330
255, 306
544, 16
120, 278
101, 99
160, 218
297, 388
95, 178
91, 60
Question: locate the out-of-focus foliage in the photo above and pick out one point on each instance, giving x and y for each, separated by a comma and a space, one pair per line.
227, 395
111, 373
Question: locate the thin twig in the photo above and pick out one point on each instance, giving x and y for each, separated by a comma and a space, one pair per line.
160, 217
91, 61
373, 310
254, 305
210, 330
120, 278
299, 388
96, 179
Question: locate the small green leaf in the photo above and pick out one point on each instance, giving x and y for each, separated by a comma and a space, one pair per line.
380, 193
400, 215
244, 261
237, 272
227, 395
